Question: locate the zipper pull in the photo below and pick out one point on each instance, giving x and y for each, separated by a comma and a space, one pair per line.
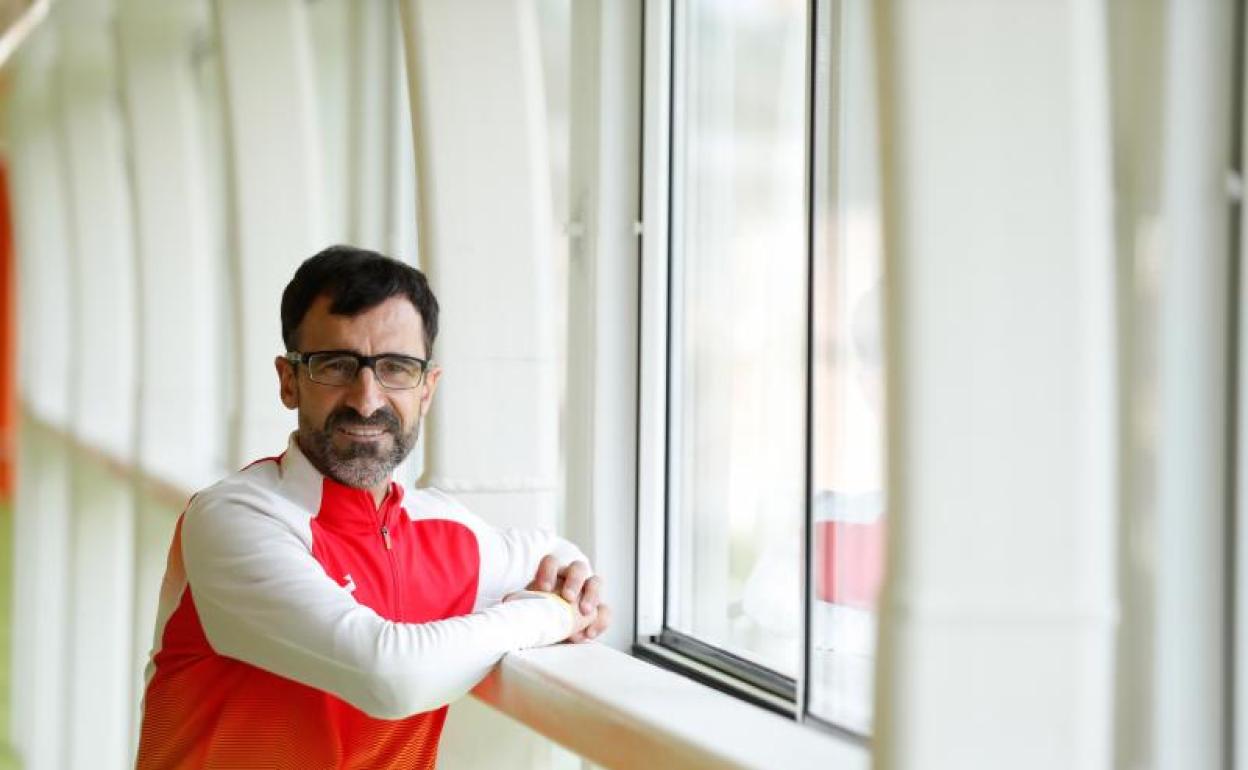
385, 535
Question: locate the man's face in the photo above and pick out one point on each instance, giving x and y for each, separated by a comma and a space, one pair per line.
357, 433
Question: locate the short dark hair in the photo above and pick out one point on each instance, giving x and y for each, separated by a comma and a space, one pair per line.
355, 280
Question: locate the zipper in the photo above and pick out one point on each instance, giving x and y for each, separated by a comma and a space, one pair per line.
394, 564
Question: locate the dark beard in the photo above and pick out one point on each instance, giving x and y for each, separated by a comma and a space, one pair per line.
362, 464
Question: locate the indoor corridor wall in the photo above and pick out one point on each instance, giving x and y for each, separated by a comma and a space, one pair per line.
171, 164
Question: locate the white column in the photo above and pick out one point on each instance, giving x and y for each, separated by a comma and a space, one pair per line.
179, 429
41, 232
103, 278
275, 197
104, 387
602, 294
329, 39
154, 522
100, 631
1190, 721
1138, 50
485, 240
395, 172
371, 73
41, 511
400, 177
484, 227
41, 585
998, 618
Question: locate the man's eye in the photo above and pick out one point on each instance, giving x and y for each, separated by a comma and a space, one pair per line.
399, 368
337, 365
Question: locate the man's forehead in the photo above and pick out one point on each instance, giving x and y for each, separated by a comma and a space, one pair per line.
393, 326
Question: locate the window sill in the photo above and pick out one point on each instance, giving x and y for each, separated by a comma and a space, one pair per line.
618, 711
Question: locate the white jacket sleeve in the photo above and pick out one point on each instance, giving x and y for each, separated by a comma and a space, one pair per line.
264, 599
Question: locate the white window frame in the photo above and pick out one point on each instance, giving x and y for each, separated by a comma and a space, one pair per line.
652, 371
746, 680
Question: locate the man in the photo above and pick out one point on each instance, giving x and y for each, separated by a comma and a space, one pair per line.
313, 614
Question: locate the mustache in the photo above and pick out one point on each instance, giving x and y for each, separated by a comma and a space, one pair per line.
348, 417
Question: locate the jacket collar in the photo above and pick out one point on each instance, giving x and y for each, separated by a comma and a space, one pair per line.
328, 500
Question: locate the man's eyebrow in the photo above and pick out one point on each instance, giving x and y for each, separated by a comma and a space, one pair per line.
349, 351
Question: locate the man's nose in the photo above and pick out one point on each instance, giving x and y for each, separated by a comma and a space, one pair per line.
365, 394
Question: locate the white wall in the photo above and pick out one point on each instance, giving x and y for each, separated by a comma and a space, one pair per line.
276, 197
485, 240
179, 345
998, 616
172, 164
41, 226
102, 303
41, 607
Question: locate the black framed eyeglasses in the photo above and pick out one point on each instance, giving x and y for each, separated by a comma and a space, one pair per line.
339, 368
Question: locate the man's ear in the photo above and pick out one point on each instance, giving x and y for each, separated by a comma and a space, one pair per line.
428, 387
288, 379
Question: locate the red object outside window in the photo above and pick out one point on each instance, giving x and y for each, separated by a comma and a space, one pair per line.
849, 548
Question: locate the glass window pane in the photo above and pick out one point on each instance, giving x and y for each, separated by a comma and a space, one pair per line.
737, 398
848, 438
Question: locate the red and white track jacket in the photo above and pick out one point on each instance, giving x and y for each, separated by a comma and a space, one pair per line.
300, 626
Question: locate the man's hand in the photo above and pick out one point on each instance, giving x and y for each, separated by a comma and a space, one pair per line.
579, 588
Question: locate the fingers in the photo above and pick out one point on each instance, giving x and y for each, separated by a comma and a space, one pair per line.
591, 595
547, 574
598, 623
579, 629
579, 587
601, 621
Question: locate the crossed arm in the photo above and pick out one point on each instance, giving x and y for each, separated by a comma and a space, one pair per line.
263, 598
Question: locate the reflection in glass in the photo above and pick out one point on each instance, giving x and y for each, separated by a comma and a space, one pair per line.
737, 398
848, 379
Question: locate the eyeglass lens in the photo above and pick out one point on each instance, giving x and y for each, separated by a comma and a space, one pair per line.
341, 369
